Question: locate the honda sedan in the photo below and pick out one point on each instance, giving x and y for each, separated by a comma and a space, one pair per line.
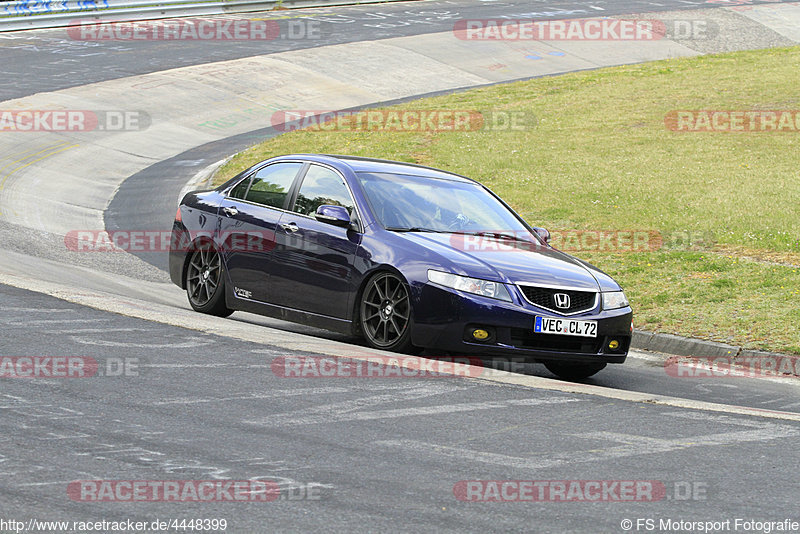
409, 257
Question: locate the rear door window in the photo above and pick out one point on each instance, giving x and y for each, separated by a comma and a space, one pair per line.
269, 186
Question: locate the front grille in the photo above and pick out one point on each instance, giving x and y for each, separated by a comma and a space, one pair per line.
527, 339
545, 297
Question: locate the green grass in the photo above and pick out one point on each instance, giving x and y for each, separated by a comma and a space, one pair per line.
710, 296
601, 158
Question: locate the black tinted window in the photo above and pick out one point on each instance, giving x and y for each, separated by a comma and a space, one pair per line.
269, 186
240, 190
322, 186
403, 201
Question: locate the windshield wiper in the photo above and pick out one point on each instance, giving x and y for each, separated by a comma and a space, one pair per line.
500, 235
416, 229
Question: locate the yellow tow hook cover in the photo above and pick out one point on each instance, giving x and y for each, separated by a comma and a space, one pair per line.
480, 334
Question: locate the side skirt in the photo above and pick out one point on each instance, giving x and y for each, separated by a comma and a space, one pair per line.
342, 326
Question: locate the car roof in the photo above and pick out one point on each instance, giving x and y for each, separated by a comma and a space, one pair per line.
363, 164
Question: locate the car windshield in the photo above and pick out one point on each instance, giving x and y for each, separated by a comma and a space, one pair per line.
416, 203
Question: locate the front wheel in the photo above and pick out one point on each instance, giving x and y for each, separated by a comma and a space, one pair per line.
574, 371
205, 283
385, 313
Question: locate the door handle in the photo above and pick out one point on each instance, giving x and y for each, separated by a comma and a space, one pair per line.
290, 227
230, 211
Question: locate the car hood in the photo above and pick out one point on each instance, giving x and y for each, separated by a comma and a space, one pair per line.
512, 261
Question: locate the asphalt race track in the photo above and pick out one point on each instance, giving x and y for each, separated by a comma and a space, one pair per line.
180, 396
352, 454
56, 62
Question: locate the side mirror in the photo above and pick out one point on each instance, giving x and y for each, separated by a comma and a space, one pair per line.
335, 215
543, 234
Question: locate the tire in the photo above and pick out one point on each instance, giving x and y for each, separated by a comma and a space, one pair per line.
574, 371
205, 282
385, 314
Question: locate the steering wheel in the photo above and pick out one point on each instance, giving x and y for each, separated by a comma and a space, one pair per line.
459, 222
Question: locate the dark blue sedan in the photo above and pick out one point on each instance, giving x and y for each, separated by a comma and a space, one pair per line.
409, 257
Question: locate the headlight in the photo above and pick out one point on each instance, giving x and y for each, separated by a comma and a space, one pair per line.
613, 300
476, 286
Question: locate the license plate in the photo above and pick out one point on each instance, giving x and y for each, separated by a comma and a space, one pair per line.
565, 327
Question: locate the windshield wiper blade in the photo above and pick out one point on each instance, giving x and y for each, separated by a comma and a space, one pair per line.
501, 235
416, 229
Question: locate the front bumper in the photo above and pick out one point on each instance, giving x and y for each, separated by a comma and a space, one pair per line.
444, 319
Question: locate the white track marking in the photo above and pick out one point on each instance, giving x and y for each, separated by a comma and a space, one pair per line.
37, 310
629, 445
107, 343
97, 330
334, 417
256, 396
52, 321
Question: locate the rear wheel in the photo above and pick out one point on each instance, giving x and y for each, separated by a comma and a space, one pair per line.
205, 283
385, 313
574, 371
